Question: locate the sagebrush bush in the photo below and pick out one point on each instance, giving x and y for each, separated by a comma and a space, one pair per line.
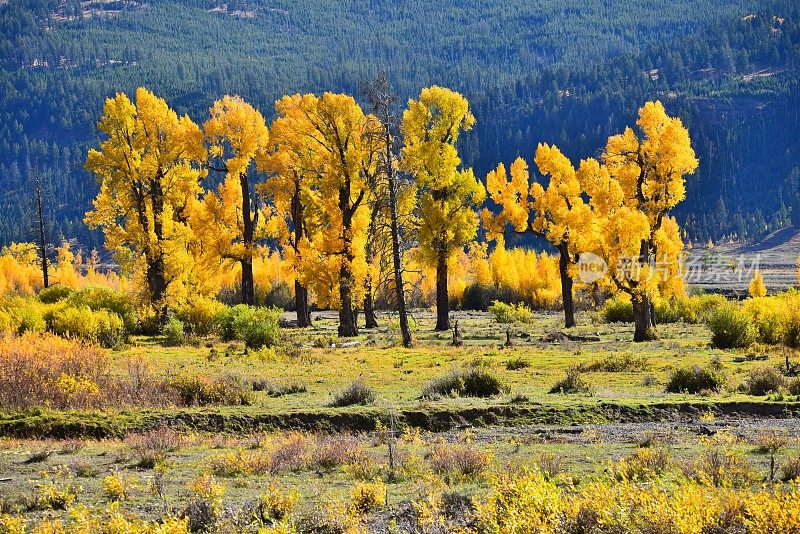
473, 381
764, 380
457, 463
202, 390
644, 464
613, 363
43, 370
695, 379
571, 383
731, 327
510, 313
356, 393
368, 496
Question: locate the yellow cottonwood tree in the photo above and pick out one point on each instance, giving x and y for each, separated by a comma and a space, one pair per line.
557, 213
290, 167
449, 196
149, 185
641, 178
228, 222
342, 153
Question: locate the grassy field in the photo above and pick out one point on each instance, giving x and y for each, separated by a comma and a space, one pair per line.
292, 436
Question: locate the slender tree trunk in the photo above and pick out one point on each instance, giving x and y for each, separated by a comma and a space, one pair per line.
382, 105
405, 330
442, 298
566, 286
41, 231
370, 320
248, 284
300, 292
156, 266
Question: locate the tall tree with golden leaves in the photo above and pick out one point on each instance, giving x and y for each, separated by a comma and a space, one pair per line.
449, 196
641, 178
558, 213
149, 184
290, 165
229, 222
343, 145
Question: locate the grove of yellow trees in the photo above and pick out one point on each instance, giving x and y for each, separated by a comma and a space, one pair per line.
239, 206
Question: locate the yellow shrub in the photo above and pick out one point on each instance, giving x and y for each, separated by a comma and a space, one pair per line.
116, 487
757, 287
368, 496
520, 504
12, 524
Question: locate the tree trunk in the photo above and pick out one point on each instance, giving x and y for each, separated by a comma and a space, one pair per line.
157, 280
405, 330
300, 291
301, 305
248, 223
644, 328
42, 231
566, 287
248, 287
442, 298
370, 321
347, 315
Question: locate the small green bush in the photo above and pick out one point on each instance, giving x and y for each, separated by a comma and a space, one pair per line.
616, 310
510, 313
81, 322
695, 379
473, 381
199, 315
226, 318
731, 327
27, 317
173, 332
258, 327
356, 393
53, 294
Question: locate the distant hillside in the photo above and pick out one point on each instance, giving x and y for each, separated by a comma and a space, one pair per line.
570, 72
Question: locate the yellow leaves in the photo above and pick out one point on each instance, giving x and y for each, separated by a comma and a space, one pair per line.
449, 196
756, 287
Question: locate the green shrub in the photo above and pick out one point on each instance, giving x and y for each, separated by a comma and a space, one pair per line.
667, 311
53, 294
226, 318
470, 382
697, 308
356, 393
201, 390
695, 379
27, 317
571, 383
616, 310
731, 327
258, 327
764, 380
279, 296
199, 315
102, 298
516, 363
173, 332
102, 326
510, 313
8, 324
